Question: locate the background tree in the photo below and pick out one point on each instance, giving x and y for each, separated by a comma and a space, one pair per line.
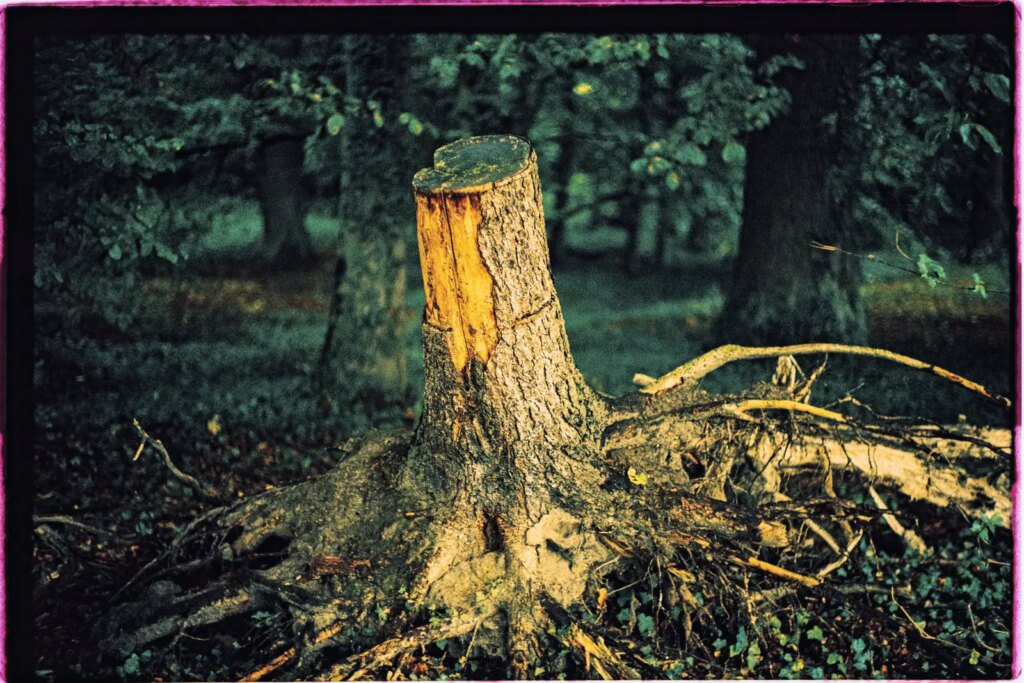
787, 205
364, 349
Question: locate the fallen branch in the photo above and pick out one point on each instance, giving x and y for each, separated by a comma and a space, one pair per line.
203, 490
689, 373
843, 557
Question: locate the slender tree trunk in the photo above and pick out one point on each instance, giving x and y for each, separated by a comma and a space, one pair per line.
563, 172
783, 290
282, 202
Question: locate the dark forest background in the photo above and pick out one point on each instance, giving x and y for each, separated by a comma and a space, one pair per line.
224, 242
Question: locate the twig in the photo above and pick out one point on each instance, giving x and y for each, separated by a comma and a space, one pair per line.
843, 557
289, 654
872, 257
689, 373
909, 537
775, 570
974, 630
920, 630
203, 490
64, 519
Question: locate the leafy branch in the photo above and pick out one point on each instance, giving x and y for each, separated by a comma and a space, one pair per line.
927, 268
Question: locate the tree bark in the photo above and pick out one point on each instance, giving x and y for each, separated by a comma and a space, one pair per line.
783, 290
286, 243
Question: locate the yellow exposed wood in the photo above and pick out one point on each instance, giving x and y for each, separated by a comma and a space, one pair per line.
475, 284
459, 288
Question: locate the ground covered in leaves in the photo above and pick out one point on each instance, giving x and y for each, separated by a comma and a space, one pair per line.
222, 371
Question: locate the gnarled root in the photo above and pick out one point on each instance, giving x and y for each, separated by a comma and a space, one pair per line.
708, 496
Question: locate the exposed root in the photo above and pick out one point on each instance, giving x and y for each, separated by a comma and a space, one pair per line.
700, 367
712, 498
360, 665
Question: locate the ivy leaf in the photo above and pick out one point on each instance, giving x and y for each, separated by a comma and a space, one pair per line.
931, 270
131, 665
115, 252
753, 655
644, 624
741, 642
815, 633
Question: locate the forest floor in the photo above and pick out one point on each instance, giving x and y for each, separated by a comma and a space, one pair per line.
222, 372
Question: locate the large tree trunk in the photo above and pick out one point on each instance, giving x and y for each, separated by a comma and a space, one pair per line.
521, 488
783, 290
286, 243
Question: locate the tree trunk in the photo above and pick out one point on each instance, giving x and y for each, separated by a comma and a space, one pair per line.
364, 351
286, 243
521, 487
783, 290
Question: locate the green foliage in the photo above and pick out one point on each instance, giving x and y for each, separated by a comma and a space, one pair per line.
931, 271
927, 121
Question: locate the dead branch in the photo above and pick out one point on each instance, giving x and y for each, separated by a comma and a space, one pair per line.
689, 373
64, 519
598, 655
201, 489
